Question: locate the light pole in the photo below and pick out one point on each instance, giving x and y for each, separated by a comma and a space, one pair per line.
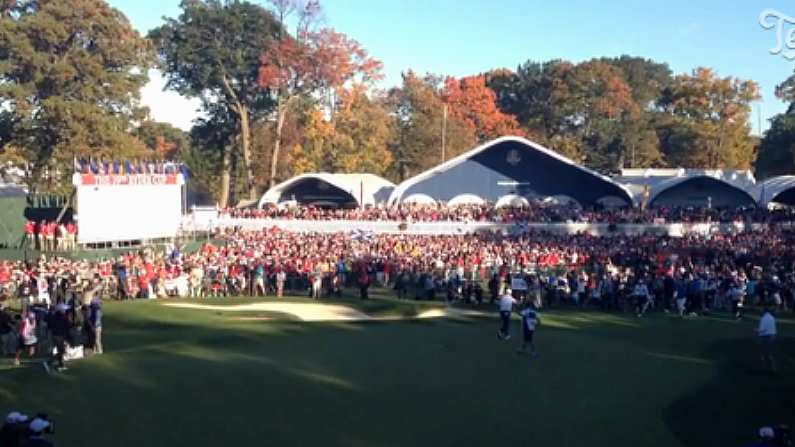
444, 132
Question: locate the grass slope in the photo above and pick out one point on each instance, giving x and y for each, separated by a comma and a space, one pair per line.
188, 377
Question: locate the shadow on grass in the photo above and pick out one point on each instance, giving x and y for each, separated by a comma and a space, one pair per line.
740, 398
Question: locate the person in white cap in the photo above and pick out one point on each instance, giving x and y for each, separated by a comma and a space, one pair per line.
37, 428
767, 437
14, 430
506, 303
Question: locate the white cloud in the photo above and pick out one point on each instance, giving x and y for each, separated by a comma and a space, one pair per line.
168, 106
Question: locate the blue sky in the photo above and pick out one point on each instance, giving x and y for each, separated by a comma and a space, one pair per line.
463, 37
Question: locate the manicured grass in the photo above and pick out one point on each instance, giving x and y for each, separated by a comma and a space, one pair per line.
174, 377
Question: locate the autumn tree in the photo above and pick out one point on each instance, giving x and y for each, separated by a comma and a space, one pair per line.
355, 138
474, 103
578, 110
418, 112
70, 78
212, 52
706, 121
309, 62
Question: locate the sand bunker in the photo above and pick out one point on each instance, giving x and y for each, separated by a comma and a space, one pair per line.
324, 312
302, 311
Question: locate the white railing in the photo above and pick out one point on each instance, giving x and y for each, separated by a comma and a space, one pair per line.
430, 228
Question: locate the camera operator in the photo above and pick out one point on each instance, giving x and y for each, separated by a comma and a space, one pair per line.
37, 428
14, 430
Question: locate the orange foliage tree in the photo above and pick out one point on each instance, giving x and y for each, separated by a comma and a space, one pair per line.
310, 63
472, 101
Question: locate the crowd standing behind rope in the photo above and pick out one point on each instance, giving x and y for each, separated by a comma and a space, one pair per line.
536, 212
725, 270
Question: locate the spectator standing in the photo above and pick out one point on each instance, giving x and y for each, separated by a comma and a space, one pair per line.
364, 283
641, 295
37, 428
30, 234
281, 277
71, 236
737, 295
121, 276
14, 430
95, 326
42, 235
6, 331
27, 336
59, 326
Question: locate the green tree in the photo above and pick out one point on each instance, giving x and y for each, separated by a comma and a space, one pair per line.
70, 76
166, 141
705, 121
212, 52
645, 77
777, 149
211, 152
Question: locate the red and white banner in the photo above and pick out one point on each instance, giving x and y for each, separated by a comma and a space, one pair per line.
129, 207
126, 179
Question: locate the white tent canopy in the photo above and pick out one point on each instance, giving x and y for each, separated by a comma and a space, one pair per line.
561, 200
657, 181
466, 199
768, 191
419, 199
512, 201
365, 189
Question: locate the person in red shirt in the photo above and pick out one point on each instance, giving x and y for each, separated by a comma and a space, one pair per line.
30, 233
71, 236
52, 228
5, 274
42, 233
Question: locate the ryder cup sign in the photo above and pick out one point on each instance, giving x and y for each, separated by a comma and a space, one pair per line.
127, 179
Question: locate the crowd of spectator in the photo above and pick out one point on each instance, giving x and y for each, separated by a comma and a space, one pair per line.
710, 272
536, 212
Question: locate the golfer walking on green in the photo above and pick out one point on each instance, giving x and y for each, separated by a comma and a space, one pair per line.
767, 336
507, 301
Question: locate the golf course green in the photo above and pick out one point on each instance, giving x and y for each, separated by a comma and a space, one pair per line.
197, 377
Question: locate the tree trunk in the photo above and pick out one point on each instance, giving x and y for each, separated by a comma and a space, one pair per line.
226, 175
245, 140
281, 114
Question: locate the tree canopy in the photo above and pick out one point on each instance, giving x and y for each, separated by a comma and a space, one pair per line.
70, 76
212, 52
281, 95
